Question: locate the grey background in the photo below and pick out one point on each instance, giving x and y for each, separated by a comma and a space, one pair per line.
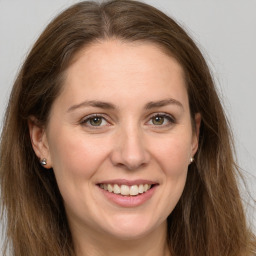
224, 30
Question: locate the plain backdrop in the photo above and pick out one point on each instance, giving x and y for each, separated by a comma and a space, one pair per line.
224, 30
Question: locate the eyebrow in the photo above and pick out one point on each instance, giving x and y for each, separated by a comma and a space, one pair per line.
107, 105
162, 103
92, 103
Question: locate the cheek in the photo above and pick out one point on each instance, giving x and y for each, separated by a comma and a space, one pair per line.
173, 155
76, 159
75, 154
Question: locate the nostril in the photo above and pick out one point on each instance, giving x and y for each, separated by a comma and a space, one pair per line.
129, 166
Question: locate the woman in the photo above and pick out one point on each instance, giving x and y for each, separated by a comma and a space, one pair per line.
121, 144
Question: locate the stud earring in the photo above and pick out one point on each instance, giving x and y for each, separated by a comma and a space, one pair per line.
191, 160
43, 162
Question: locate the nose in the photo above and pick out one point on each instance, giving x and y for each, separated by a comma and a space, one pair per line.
129, 150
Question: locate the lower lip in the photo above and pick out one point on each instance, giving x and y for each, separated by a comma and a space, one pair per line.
129, 201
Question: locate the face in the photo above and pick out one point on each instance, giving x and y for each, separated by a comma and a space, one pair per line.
120, 139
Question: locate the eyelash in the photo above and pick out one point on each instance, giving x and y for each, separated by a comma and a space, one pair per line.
170, 120
85, 122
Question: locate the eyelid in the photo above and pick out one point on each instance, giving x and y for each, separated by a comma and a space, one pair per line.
85, 119
170, 118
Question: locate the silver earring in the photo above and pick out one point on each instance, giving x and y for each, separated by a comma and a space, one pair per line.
191, 160
43, 162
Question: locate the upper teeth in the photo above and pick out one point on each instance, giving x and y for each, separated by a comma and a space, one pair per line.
126, 190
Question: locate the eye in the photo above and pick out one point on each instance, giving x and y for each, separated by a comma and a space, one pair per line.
161, 120
94, 121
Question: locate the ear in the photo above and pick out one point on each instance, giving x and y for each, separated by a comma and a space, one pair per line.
39, 141
196, 132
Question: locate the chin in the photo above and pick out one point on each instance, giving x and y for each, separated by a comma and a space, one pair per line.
132, 227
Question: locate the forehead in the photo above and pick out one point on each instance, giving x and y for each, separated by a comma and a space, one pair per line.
128, 52
113, 67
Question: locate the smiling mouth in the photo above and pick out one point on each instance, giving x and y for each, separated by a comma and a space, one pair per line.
126, 190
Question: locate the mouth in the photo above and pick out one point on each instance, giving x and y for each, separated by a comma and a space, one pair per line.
126, 190
128, 193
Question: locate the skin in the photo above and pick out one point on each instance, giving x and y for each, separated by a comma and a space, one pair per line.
130, 143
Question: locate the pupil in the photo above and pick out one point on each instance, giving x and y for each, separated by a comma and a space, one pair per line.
158, 120
96, 121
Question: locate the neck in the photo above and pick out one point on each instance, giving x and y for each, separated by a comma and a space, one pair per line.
92, 244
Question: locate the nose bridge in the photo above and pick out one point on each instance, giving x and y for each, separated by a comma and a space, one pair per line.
130, 148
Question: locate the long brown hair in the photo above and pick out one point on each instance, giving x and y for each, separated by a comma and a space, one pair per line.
209, 218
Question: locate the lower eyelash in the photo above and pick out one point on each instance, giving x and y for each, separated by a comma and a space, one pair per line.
170, 118
86, 119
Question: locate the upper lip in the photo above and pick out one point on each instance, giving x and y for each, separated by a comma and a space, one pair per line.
128, 182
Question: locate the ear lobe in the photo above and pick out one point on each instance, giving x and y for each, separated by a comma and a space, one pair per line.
196, 133
39, 141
